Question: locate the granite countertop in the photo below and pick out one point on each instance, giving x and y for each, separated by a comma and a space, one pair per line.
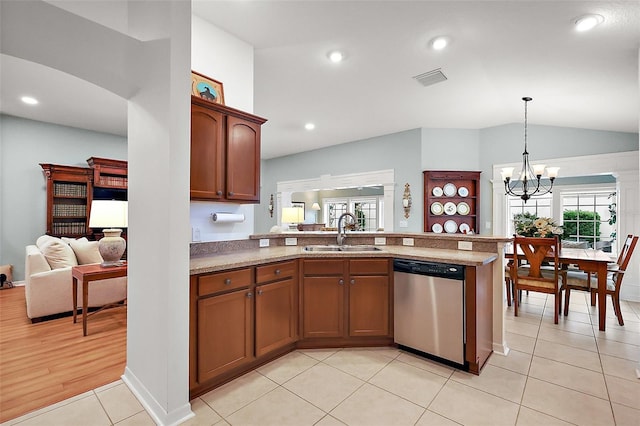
243, 258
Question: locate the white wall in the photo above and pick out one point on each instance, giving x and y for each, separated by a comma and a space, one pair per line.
229, 60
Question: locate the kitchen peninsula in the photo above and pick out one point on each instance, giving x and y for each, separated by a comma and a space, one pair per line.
251, 304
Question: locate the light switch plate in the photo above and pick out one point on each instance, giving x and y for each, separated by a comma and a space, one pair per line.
407, 241
380, 241
465, 245
290, 241
195, 234
264, 242
403, 224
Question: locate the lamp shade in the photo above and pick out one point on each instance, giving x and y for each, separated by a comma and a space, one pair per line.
315, 206
292, 215
108, 214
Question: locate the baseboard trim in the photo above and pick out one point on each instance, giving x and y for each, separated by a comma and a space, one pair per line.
158, 414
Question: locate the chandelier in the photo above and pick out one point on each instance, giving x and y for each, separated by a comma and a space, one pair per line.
529, 182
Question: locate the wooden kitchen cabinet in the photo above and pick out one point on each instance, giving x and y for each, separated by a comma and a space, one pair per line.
346, 300
369, 299
225, 153
276, 306
221, 323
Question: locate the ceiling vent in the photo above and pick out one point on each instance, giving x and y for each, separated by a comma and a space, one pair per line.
431, 77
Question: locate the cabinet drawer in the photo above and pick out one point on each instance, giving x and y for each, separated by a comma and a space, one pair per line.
369, 267
323, 267
276, 271
223, 281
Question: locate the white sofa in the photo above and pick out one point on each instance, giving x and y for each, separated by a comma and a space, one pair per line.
48, 280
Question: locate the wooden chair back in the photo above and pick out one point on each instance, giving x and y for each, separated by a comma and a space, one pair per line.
535, 251
624, 258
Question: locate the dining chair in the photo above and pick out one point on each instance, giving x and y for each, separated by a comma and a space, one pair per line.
535, 277
586, 281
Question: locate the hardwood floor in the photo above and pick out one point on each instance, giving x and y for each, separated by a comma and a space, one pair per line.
47, 362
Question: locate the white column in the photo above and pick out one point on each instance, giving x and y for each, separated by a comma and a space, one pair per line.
629, 223
157, 368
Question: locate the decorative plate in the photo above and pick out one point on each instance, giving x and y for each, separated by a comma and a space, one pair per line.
450, 208
463, 191
463, 208
449, 190
437, 228
464, 228
437, 191
450, 226
436, 208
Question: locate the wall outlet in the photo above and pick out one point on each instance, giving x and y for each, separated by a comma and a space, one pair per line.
487, 225
403, 224
264, 242
407, 241
465, 245
380, 241
290, 241
195, 234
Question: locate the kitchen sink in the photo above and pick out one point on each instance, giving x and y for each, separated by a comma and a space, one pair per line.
342, 248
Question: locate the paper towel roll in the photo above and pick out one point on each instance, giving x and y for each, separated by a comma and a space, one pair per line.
227, 217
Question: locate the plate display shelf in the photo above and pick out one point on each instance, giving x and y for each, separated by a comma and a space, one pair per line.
439, 188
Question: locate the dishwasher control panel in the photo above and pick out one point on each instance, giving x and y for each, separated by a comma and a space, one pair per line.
436, 269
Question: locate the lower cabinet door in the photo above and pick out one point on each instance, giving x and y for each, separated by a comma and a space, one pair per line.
276, 316
369, 306
224, 333
323, 307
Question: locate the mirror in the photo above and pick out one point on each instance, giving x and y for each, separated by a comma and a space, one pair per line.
368, 195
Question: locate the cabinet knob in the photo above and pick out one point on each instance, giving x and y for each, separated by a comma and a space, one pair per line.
259, 292
227, 281
249, 295
277, 272
219, 193
341, 281
353, 281
230, 194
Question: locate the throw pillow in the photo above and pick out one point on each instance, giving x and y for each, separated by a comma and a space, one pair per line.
8, 271
43, 240
86, 251
58, 253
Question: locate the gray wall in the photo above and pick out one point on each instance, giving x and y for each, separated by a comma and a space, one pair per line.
504, 144
398, 151
411, 152
23, 198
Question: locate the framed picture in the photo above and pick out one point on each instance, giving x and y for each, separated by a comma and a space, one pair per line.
206, 88
299, 205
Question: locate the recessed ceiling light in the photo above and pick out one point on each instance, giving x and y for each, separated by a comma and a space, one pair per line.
335, 56
439, 42
29, 100
588, 22
309, 126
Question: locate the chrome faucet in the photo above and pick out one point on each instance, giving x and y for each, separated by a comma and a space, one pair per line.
341, 229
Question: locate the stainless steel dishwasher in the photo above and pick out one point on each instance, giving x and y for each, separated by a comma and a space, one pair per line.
429, 309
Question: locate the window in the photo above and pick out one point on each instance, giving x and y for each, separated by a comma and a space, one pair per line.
367, 210
538, 206
587, 216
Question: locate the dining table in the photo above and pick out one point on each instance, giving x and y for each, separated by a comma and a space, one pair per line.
587, 260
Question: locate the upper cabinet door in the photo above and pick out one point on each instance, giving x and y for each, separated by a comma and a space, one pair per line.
243, 160
207, 154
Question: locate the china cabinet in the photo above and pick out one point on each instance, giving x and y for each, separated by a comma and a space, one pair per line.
452, 201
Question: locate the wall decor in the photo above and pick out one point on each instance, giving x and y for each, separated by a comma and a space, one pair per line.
206, 88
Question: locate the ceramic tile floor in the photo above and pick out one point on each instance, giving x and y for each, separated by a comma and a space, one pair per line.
563, 374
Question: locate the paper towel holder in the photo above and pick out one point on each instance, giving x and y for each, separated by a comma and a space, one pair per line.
224, 217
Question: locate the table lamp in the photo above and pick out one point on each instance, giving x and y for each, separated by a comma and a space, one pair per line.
316, 207
293, 216
111, 215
